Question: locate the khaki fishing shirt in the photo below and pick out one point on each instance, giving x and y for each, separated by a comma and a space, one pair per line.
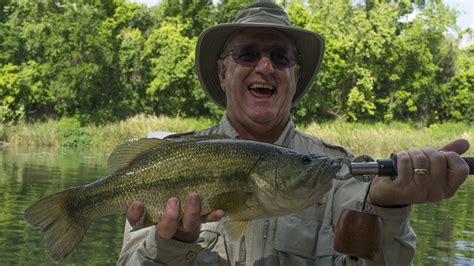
303, 238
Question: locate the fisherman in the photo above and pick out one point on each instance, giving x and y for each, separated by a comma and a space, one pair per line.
257, 68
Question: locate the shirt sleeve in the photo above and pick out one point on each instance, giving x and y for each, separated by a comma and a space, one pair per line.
144, 247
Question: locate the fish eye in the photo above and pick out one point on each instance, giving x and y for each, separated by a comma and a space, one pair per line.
306, 158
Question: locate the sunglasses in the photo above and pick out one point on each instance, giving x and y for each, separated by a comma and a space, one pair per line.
250, 54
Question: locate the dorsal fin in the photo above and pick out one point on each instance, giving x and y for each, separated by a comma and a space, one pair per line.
188, 136
125, 153
180, 135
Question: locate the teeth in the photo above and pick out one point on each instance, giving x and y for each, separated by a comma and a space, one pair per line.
261, 86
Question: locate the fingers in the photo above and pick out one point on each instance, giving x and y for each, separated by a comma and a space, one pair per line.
437, 179
457, 171
446, 172
191, 223
458, 146
404, 167
134, 212
169, 222
212, 216
186, 227
387, 192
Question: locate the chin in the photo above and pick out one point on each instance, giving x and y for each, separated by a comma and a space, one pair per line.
264, 116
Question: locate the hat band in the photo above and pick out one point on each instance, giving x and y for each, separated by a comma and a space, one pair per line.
264, 18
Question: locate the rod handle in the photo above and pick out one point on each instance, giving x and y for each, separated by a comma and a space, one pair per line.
388, 167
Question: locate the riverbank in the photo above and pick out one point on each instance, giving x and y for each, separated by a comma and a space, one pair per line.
69, 133
375, 139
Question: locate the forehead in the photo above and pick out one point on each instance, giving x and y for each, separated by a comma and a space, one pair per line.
264, 36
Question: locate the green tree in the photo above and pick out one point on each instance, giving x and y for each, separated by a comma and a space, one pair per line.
105, 60
377, 66
173, 85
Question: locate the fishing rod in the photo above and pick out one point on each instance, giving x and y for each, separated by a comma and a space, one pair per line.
365, 168
359, 233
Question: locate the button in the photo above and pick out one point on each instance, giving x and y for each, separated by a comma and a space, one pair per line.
191, 255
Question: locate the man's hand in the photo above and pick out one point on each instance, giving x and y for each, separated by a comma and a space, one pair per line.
446, 173
172, 225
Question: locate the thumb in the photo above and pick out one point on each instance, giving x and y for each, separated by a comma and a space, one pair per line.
458, 146
134, 212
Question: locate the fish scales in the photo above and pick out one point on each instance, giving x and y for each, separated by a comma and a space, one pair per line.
177, 177
210, 169
247, 179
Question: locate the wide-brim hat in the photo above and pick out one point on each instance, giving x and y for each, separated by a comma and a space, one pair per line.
211, 42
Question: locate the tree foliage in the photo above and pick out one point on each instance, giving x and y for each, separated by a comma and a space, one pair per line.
106, 60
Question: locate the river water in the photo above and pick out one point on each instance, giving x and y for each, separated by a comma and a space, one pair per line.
445, 231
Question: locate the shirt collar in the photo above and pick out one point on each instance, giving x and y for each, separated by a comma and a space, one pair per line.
284, 140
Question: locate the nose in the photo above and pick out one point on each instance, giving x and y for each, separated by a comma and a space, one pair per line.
264, 65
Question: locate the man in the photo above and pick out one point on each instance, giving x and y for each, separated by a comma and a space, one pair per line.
257, 68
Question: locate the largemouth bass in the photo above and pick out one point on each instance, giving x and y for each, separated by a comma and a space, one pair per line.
247, 179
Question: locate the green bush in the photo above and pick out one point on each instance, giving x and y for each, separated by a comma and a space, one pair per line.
70, 133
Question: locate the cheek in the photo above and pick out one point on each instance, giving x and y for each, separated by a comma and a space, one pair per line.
228, 77
232, 87
231, 74
290, 85
293, 81
236, 77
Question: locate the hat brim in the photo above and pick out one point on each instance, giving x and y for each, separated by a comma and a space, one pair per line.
310, 46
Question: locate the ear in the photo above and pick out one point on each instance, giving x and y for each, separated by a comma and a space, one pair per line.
297, 73
297, 76
221, 72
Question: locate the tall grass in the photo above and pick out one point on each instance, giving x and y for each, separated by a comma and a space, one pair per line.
42, 134
138, 126
379, 139
376, 140
68, 132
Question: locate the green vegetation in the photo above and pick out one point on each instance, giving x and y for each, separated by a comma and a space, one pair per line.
103, 61
377, 140
71, 73
68, 133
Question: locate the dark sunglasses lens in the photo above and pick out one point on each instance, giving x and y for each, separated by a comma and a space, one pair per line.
246, 55
283, 57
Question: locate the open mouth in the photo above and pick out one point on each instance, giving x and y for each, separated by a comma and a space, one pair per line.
261, 90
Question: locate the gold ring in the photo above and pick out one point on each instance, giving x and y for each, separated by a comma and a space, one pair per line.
421, 171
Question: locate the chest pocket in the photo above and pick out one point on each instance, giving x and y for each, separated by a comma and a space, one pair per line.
298, 233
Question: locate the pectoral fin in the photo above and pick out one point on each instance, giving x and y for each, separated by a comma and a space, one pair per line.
231, 202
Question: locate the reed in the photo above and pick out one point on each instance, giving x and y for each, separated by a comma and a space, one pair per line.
374, 139
40, 134
379, 139
107, 136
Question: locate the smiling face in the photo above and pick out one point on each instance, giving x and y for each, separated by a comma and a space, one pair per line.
258, 97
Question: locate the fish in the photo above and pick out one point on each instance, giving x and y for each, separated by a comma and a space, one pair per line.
246, 179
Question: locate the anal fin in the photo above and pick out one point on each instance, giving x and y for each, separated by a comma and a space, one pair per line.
236, 229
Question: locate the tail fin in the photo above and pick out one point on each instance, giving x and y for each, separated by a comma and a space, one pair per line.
53, 217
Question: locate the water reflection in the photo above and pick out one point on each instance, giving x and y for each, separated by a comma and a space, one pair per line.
27, 176
445, 230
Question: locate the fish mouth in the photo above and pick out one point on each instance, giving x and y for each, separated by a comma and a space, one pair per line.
259, 90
